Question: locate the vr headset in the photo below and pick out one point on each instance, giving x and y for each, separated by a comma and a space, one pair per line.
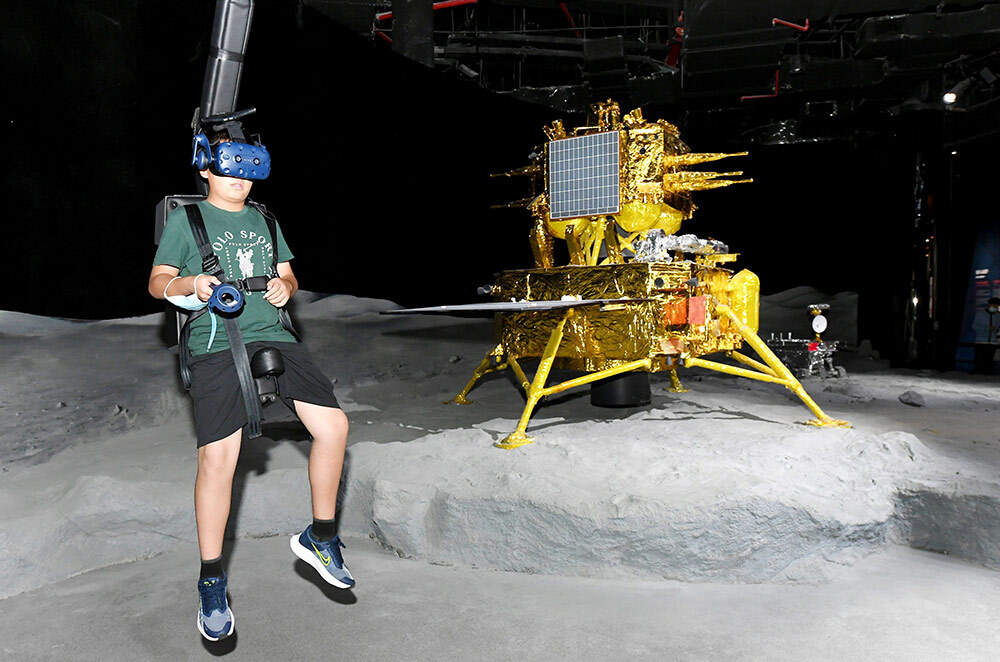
231, 159
236, 157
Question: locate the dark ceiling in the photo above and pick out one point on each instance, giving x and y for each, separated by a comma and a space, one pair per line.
772, 71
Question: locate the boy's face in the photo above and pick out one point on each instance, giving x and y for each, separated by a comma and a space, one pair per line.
229, 189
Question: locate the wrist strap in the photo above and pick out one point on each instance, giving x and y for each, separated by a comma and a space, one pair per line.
165, 287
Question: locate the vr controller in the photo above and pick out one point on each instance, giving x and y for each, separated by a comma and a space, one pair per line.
225, 298
267, 363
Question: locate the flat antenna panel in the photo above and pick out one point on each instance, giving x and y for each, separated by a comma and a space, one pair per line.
584, 176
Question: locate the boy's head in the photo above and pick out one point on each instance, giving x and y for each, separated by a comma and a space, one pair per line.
230, 191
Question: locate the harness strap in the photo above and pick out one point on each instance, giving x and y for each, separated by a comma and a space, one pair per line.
272, 228
209, 260
251, 400
251, 284
286, 321
185, 350
210, 264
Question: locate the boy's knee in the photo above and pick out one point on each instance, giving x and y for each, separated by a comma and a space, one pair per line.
334, 429
342, 423
218, 456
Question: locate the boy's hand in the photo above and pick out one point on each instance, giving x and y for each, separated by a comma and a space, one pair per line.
278, 292
203, 285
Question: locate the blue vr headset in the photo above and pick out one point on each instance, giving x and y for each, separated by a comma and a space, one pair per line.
231, 159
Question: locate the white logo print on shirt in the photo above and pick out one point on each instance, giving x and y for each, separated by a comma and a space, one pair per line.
239, 249
245, 257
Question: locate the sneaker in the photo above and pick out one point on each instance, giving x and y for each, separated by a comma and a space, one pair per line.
215, 618
325, 556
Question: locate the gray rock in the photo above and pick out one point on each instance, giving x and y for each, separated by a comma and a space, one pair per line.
791, 507
912, 398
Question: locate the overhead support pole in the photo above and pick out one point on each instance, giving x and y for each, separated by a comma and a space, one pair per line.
225, 57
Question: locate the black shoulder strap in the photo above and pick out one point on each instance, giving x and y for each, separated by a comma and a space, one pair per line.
272, 228
209, 260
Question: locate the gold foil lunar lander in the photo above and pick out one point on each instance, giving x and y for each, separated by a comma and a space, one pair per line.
635, 296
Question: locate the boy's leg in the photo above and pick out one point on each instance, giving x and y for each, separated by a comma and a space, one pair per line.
328, 428
213, 490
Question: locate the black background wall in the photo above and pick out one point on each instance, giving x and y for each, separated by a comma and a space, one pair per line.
381, 168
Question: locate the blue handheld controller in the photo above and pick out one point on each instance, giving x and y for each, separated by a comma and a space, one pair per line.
225, 298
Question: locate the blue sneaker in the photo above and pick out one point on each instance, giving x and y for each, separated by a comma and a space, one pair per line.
215, 618
325, 556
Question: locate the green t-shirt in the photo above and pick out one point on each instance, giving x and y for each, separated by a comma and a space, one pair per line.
243, 244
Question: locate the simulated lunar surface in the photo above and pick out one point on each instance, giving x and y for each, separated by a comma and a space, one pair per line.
717, 498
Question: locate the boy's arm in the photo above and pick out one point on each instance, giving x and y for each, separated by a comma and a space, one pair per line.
176, 245
162, 282
282, 288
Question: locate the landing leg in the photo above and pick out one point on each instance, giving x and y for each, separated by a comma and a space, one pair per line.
675, 382
777, 371
486, 366
536, 388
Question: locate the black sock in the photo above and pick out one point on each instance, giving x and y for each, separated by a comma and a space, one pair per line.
322, 529
211, 568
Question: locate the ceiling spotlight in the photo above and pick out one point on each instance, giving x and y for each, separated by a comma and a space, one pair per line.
951, 96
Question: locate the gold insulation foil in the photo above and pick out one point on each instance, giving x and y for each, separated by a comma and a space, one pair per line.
745, 298
653, 171
653, 325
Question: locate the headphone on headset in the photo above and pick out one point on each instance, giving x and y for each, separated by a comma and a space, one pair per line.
202, 155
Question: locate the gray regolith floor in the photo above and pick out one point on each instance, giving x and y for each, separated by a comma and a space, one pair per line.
898, 605
97, 462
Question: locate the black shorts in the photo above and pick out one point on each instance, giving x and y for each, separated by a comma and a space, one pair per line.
215, 388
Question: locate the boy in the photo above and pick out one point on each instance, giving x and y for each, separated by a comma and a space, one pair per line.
241, 240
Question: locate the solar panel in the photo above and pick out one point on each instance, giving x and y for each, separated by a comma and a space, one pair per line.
583, 176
